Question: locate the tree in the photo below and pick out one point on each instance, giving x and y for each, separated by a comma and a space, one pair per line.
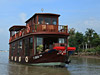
79, 40
72, 37
75, 39
95, 35
96, 42
89, 36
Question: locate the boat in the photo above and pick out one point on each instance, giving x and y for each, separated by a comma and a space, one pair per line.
42, 41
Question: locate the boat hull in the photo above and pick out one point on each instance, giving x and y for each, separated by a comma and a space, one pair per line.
57, 64
50, 58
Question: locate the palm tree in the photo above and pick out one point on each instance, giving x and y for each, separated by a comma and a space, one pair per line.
89, 35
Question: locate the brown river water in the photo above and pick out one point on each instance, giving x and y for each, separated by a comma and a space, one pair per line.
78, 66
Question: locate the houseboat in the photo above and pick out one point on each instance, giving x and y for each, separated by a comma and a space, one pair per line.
42, 41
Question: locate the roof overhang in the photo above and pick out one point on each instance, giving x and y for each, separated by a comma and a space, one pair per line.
16, 27
49, 14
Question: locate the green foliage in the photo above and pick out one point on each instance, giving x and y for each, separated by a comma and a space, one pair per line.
75, 39
39, 48
80, 50
94, 50
98, 49
90, 50
95, 42
89, 35
78, 40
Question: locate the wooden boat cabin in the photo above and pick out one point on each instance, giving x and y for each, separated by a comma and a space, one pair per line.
42, 32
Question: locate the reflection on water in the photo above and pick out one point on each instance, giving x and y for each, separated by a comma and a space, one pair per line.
79, 66
16, 69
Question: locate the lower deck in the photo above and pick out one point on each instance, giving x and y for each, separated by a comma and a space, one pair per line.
31, 45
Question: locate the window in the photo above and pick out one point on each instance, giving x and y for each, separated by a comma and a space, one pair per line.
26, 46
18, 47
39, 46
47, 20
39, 41
20, 44
61, 40
54, 21
40, 20
12, 48
31, 43
30, 46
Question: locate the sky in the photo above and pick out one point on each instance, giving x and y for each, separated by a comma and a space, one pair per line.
78, 14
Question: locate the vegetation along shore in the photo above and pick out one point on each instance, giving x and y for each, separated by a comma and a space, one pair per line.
87, 45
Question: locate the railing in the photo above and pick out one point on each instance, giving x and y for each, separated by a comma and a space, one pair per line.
40, 28
18, 34
49, 28
62, 28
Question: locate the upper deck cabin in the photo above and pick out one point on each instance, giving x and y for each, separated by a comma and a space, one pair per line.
39, 23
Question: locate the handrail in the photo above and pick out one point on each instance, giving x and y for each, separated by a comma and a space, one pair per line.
50, 28
41, 28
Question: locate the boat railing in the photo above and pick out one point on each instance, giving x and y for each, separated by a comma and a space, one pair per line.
40, 28
49, 28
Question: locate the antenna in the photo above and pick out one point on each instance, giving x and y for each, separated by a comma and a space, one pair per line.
42, 9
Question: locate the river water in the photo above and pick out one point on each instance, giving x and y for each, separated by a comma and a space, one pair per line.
78, 66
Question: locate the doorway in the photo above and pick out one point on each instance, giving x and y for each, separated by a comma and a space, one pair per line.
48, 42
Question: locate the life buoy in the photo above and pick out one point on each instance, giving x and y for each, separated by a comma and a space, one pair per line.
28, 28
20, 59
15, 58
20, 33
11, 57
26, 59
